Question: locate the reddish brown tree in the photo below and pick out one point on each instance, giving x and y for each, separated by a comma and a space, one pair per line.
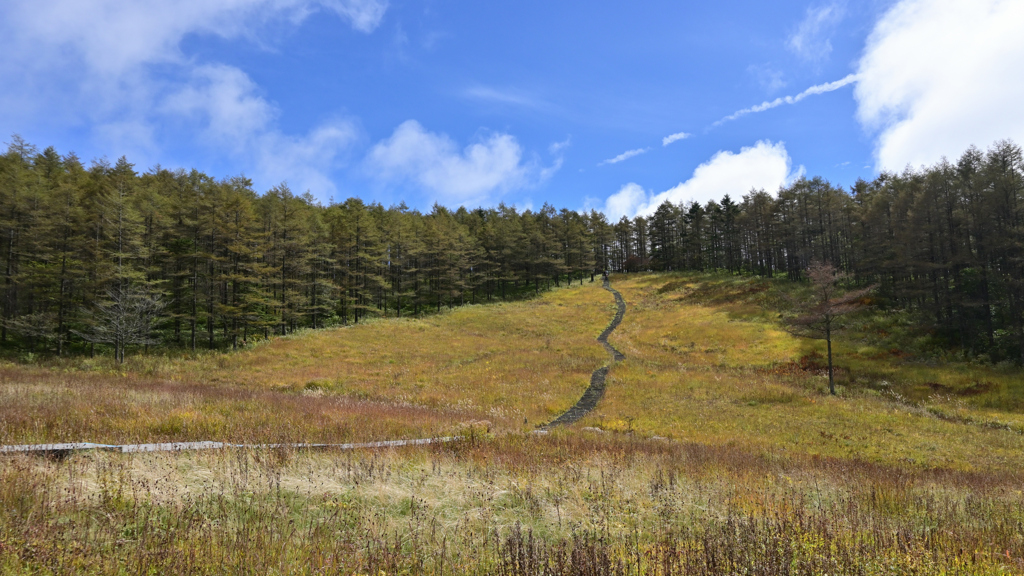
828, 303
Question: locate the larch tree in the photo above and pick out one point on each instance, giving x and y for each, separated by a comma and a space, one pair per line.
944, 243
828, 304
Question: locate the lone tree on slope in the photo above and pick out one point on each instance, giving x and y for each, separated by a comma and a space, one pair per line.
827, 305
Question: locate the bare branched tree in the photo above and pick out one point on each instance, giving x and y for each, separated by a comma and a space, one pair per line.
125, 319
828, 304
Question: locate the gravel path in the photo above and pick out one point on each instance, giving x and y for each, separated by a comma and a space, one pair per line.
595, 391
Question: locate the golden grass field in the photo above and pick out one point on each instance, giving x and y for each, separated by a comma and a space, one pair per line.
508, 362
514, 365
715, 450
705, 363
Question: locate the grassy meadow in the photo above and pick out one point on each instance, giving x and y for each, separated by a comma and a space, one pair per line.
715, 450
511, 365
707, 360
565, 503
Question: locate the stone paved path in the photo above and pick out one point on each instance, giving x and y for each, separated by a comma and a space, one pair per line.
595, 391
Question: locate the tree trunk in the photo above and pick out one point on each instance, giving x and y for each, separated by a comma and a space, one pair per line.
831, 375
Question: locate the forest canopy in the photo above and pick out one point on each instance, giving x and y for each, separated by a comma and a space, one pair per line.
104, 254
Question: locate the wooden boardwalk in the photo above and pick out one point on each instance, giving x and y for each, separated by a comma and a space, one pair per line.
61, 450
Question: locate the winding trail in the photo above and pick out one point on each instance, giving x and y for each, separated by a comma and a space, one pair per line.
595, 391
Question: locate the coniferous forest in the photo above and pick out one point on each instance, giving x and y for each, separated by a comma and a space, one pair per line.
103, 254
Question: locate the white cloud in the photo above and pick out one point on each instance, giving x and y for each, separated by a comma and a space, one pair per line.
624, 156
770, 79
227, 100
510, 97
104, 63
112, 36
626, 202
762, 166
433, 161
812, 91
116, 67
224, 105
811, 40
939, 75
674, 138
304, 161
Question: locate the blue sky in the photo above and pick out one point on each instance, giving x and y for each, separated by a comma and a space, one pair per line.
614, 106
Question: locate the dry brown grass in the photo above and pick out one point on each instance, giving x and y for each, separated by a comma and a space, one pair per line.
37, 406
567, 503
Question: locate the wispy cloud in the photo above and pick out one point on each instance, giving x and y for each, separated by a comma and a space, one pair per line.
812, 91
811, 40
625, 156
509, 97
674, 138
557, 148
770, 79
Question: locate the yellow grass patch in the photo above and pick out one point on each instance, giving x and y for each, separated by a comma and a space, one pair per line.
513, 365
705, 368
525, 360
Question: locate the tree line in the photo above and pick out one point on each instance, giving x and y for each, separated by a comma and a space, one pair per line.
945, 242
103, 254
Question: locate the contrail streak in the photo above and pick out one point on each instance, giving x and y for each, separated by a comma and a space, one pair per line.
812, 91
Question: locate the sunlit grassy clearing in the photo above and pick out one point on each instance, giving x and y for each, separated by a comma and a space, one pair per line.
511, 361
516, 365
721, 371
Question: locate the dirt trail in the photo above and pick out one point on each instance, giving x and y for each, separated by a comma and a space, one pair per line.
595, 391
